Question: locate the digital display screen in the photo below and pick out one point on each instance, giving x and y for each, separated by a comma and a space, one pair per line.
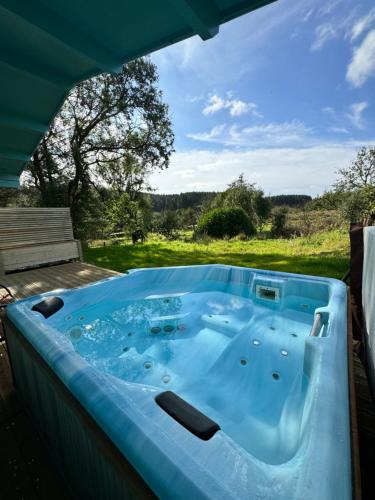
268, 294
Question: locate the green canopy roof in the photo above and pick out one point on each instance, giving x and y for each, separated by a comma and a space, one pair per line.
47, 46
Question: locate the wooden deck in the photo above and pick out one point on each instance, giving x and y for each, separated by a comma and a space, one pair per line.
27, 283
26, 471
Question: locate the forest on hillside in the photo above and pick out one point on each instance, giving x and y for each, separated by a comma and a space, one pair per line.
161, 202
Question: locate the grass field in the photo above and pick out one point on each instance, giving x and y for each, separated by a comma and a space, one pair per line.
323, 254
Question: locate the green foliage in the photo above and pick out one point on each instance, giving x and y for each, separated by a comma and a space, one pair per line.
290, 200
359, 206
330, 200
133, 217
354, 192
162, 202
279, 218
20, 197
323, 254
239, 194
263, 207
112, 130
242, 194
305, 222
167, 224
221, 222
90, 216
188, 217
356, 187
360, 173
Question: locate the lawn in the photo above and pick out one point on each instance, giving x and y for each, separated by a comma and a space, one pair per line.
323, 254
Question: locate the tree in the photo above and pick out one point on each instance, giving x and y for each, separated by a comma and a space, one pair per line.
21, 197
290, 200
360, 173
240, 194
263, 207
279, 218
359, 206
167, 224
133, 217
188, 217
112, 129
193, 199
243, 194
330, 200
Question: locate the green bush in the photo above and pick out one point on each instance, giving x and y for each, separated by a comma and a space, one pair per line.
279, 220
221, 222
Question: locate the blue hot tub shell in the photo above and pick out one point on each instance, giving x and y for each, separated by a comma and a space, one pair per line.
279, 395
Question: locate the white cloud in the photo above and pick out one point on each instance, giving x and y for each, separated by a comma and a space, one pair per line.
270, 135
277, 170
362, 65
339, 130
215, 104
329, 7
187, 173
362, 25
236, 107
194, 98
329, 110
338, 24
323, 34
239, 48
355, 113
188, 50
307, 16
213, 135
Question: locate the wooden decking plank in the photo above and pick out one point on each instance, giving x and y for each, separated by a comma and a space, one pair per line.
70, 275
69, 279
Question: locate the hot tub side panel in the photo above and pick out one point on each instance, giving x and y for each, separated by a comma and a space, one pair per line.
87, 459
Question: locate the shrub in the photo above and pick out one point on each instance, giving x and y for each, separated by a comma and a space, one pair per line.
166, 223
221, 222
279, 218
202, 238
359, 206
240, 237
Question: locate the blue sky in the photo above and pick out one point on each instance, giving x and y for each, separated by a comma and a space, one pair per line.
284, 94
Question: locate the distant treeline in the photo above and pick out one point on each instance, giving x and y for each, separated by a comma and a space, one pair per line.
161, 202
290, 200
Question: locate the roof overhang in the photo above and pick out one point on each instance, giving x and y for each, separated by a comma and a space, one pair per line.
47, 46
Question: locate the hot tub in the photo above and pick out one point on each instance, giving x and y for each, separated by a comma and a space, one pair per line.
256, 359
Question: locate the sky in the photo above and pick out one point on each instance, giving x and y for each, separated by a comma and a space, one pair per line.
284, 94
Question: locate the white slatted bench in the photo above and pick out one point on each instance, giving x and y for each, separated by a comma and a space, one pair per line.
31, 237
